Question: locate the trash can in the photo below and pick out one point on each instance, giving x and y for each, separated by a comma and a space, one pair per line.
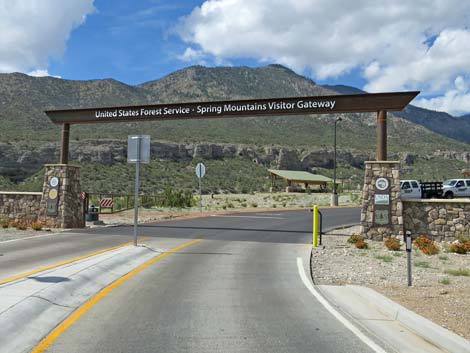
92, 214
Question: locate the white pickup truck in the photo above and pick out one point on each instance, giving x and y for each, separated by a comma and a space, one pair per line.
410, 189
456, 188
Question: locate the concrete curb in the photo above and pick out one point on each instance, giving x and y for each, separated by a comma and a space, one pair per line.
31, 307
372, 310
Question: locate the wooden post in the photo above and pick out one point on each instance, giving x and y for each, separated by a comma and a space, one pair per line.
64, 148
382, 135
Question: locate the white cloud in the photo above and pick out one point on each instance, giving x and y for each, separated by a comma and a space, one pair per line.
34, 31
192, 55
41, 73
400, 44
455, 101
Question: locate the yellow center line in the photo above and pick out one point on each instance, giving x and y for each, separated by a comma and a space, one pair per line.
48, 267
55, 333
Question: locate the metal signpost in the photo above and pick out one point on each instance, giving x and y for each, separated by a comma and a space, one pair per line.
408, 254
138, 151
200, 172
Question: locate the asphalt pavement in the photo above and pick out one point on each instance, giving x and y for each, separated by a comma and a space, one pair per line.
282, 226
237, 290
214, 296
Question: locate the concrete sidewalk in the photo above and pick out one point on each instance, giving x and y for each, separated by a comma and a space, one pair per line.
396, 326
32, 306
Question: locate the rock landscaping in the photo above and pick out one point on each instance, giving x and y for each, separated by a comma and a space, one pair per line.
441, 282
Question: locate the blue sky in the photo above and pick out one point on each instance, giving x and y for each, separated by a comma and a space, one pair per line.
130, 41
375, 45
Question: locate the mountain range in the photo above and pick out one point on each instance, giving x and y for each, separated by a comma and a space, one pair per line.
414, 133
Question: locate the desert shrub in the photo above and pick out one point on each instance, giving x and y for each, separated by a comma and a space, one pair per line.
361, 244
36, 226
458, 248
467, 245
423, 264
392, 244
354, 238
21, 226
177, 198
4, 223
458, 272
427, 246
384, 258
253, 204
230, 205
243, 204
444, 280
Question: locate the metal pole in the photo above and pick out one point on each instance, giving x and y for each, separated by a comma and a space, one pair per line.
334, 163
334, 199
408, 254
315, 226
200, 194
64, 147
136, 192
382, 135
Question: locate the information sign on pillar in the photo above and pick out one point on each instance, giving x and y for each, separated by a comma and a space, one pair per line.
53, 197
382, 209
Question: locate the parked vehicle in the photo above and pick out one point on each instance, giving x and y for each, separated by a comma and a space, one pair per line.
410, 189
456, 188
431, 189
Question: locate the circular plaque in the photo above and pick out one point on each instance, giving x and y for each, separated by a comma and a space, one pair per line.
54, 182
52, 194
381, 184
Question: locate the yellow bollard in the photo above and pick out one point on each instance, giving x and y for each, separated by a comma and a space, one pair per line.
315, 226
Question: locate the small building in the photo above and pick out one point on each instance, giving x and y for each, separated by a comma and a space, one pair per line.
299, 177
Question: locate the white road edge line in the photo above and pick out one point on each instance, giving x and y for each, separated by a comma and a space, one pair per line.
376, 348
26, 238
216, 215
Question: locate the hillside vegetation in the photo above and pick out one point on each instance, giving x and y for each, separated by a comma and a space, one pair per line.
25, 127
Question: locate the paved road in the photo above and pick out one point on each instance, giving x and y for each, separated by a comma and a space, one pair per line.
238, 290
291, 226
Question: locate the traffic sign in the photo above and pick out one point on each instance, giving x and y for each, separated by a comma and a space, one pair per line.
138, 149
200, 170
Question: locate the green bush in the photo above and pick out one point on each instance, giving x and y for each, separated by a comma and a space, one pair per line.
4, 223
177, 198
36, 226
361, 244
354, 238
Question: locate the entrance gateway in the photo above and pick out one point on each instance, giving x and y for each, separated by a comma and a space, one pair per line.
383, 220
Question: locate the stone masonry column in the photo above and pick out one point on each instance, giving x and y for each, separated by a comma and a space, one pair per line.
61, 205
382, 208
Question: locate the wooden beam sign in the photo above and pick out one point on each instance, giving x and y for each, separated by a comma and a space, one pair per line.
354, 103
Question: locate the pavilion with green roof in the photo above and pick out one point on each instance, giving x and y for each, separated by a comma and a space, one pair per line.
299, 177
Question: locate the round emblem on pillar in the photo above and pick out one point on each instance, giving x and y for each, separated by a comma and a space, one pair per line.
54, 182
52, 194
381, 184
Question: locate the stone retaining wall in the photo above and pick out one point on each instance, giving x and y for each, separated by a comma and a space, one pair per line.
20, 206
436, 218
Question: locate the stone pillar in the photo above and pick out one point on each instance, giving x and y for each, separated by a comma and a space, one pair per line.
61, 205
382, 215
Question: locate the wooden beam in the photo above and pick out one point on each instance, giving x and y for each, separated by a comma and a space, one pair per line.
64, 146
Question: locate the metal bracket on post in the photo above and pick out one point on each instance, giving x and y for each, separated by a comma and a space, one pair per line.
321, 226
408, 244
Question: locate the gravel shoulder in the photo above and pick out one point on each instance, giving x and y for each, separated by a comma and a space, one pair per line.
13, 233
441, 297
